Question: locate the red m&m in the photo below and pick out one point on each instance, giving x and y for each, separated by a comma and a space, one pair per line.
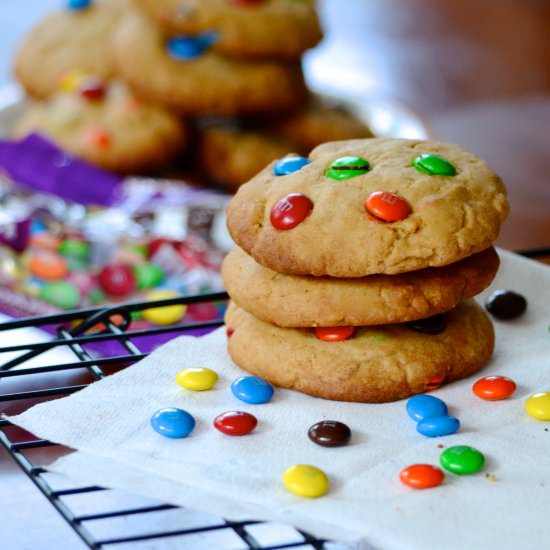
92, 89
386, 207
235, 423
117, 280
494, 388
422, 476
290, 211
334, 334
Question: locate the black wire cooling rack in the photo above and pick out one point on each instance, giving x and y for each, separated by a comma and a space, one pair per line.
76, 331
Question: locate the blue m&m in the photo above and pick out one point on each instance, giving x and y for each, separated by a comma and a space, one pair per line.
172, 422
190, 47
437, 426
423, 406
78, 4
289, 165
252, 389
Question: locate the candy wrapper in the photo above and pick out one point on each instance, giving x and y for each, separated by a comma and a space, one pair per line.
73, 235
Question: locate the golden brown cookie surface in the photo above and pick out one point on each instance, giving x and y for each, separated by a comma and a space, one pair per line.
261, 29
291, 301
377, 364
67, 41
361, 207
206, 83
106, 125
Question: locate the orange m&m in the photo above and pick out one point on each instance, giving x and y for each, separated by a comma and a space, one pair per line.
386, 207
98, 137
422, 476
334, 334
494, 388
47, 266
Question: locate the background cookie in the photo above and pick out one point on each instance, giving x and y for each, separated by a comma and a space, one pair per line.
229, 156
66, 41
204, 84
377, 364
290, 301
106, 125
268, 28
361, 208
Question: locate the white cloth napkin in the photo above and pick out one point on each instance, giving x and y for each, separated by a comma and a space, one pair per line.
240, 477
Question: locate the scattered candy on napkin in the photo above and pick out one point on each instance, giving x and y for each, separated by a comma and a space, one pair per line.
502, 507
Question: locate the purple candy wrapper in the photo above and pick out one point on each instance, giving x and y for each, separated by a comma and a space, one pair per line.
40, 165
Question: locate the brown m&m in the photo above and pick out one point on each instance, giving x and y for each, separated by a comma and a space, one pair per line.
329, 433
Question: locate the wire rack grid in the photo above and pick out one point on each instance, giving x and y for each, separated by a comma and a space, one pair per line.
76, 332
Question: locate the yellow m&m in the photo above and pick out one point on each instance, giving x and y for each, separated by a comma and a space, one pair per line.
306, 481
197, 379
164, 315
538, 406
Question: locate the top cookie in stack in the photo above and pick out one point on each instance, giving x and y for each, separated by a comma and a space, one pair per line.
356, 240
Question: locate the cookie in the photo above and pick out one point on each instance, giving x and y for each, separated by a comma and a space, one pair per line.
230, 156
376, 364
67, 41
191, 79
291, 301
106, 125
319, 123
279, 29
366, 207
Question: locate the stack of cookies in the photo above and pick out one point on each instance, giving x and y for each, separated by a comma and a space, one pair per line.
230, 69
356, 267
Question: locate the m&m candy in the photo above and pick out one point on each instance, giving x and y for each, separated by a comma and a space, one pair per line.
422, 476
436, 324
538, 406
306, 480
164, 315
252, 389
98, 137
437, 426
290, 211
117, 280
92, 89
197, 378
76, 5
47, 266
75, 248
330, 433
494, 388
62, 294
289, 165
505, 304
434, 165
346, 168
185, 48
235, 423
462, 460
420, 407
334, 334
172, 422
386, 207
148, 275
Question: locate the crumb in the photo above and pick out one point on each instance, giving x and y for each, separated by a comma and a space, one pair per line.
545, 429
441, 446
490, 477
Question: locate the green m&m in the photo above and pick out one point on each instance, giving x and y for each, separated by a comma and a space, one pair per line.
148, 275
346, 168
75, 248
462, 460
434, 165
62, 294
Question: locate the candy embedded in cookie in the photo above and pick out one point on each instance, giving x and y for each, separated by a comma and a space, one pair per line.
374, 211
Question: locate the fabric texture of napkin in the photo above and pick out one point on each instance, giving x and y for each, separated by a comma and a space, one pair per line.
239, 478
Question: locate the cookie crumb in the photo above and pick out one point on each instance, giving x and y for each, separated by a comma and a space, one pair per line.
491, 477
441, 446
